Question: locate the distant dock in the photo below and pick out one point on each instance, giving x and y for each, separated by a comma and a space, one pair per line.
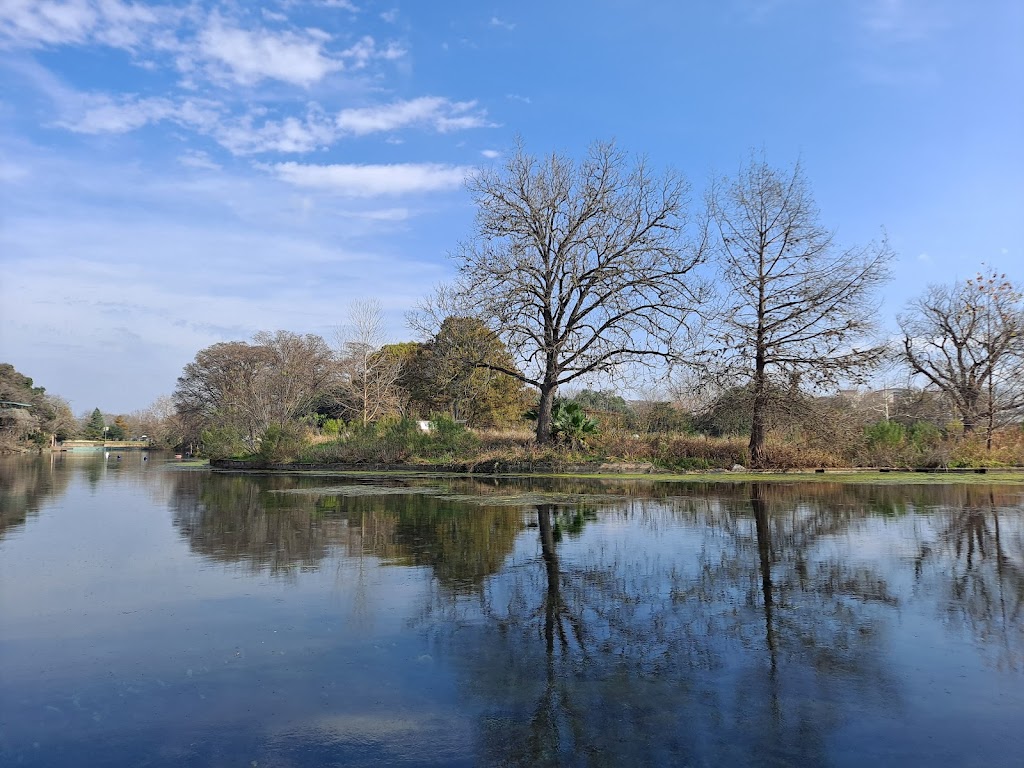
103, 445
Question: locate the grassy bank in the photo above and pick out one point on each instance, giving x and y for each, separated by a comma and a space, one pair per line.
453, 447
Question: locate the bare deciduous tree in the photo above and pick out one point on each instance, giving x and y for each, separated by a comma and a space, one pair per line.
967, 340
368, 381
580, 268
798, 308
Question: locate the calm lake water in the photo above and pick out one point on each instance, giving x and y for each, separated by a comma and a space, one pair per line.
152, 615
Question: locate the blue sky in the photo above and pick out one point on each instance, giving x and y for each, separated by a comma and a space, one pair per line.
177, 174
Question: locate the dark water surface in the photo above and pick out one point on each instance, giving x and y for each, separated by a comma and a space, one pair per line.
152, 616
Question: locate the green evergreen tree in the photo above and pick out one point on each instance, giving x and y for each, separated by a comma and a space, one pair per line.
94, 427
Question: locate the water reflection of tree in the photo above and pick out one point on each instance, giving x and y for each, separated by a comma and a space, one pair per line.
974, 562
26, 483
619, 657
230, 519
259, 522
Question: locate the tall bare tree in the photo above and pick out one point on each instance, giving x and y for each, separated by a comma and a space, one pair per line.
798, 308
967, 340
368, 381
580, 268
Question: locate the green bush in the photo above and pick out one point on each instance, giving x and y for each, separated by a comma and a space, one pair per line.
393, 441
925, 435
447, 439
885, 433
222, 443
282, 442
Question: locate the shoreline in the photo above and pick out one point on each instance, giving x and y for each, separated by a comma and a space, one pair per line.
874, 475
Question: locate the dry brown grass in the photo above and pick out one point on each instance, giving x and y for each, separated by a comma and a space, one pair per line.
675, 451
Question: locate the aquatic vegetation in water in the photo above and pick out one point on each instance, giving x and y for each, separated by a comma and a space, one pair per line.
360, 490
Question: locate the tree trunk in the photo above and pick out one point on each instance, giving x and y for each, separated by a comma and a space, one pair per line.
547, 399
759, 422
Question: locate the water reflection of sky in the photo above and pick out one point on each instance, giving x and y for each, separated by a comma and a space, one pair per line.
171, 617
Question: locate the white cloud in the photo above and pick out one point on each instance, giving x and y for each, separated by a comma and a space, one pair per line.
34, 23
373, 180
194, 158
290, 134
490, 154
249, 56
502, 23
344, 5
254, 132
366, 50
273, 15
438, 113
390, 17
100, 113
518, 97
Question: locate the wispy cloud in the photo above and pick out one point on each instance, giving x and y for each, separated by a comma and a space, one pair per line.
292, 134
434, 112
373, 180
490, 154
35, 23
99, 113
902, 20
195, 158
229, 49
255, 132
250, 55
501, 23
344, 5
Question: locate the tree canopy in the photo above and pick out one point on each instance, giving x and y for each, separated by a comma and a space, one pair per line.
797, 307
579, 267
456, 372
46, 416
967, 340
249, 387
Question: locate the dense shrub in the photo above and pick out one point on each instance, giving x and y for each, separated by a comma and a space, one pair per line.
222, 442
282, 443
395, 441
